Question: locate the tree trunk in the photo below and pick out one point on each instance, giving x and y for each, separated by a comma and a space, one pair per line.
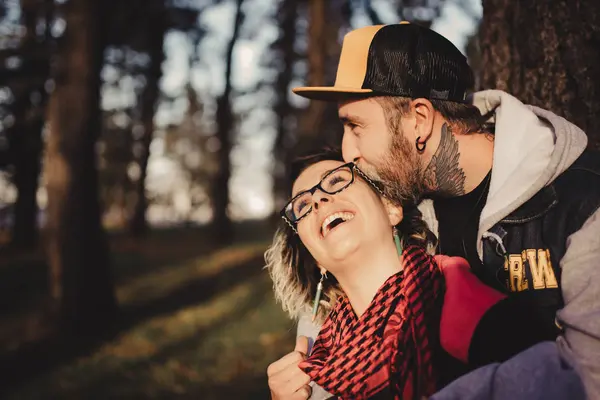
28, 148
319, 124
312, 118
81, 285
156, 33
546, 54
222, 226
288, 14
29, 117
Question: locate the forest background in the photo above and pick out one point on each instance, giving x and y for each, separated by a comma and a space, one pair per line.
144, 148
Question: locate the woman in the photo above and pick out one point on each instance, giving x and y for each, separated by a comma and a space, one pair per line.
340, 246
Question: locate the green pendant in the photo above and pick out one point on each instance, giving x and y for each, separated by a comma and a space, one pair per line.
317, 299
398, 244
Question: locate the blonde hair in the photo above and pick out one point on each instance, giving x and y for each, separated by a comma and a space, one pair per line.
295, 278
295, 273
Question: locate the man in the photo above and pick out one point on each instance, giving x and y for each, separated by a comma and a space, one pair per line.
507, 186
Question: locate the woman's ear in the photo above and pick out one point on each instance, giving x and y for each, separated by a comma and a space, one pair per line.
322, 270
395, 213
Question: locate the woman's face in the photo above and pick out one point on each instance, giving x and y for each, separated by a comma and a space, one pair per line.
339, 225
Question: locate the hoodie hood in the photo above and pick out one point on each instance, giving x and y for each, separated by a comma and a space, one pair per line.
532, 147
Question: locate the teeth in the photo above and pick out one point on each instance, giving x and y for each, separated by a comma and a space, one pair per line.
346, 216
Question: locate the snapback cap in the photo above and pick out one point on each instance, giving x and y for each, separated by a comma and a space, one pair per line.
402, 59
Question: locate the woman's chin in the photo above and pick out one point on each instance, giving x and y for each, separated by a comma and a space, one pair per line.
341, 248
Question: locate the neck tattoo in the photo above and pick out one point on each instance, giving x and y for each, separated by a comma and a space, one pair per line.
444, 176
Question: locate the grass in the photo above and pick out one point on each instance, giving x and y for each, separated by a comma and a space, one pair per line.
198, 322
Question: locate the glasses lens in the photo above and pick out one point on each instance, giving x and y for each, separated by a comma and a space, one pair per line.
337, 180
332, 183
299, 207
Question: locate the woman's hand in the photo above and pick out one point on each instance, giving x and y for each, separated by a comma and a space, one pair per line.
286, 380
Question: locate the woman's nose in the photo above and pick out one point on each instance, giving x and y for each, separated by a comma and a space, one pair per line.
319, 197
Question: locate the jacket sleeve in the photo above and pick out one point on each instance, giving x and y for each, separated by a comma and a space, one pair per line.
580, 317
477, 319
307, 328
538, 373
514, 317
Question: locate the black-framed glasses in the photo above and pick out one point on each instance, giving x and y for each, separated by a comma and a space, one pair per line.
332, 183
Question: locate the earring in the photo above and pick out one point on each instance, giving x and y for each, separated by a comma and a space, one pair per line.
397, 241
318, 294
420, 146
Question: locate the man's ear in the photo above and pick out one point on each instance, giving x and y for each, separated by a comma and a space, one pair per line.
424, 117
395, 213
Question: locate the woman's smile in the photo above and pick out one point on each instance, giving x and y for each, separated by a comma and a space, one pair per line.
333, 220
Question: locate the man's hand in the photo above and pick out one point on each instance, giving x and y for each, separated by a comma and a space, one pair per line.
286, 380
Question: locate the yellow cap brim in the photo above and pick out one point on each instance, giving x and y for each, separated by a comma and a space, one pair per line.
331, 93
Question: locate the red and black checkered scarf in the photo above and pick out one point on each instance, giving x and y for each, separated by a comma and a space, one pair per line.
389, 348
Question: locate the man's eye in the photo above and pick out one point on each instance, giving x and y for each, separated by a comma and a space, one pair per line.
356, 130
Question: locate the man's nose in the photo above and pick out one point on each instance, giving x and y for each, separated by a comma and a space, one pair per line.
319, 198
349, 147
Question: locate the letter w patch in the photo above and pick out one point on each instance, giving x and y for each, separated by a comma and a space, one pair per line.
539, 264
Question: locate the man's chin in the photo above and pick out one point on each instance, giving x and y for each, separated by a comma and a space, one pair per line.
400, 196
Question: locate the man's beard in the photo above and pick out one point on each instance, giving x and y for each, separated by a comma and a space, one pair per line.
400, 172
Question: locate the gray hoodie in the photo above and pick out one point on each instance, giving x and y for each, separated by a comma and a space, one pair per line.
532, 147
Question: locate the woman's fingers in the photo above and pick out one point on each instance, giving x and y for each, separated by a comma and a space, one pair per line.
286, 379
303, 393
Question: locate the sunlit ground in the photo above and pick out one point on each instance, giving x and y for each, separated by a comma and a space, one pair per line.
202, 327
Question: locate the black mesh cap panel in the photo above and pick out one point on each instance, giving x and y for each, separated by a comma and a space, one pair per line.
412, 61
